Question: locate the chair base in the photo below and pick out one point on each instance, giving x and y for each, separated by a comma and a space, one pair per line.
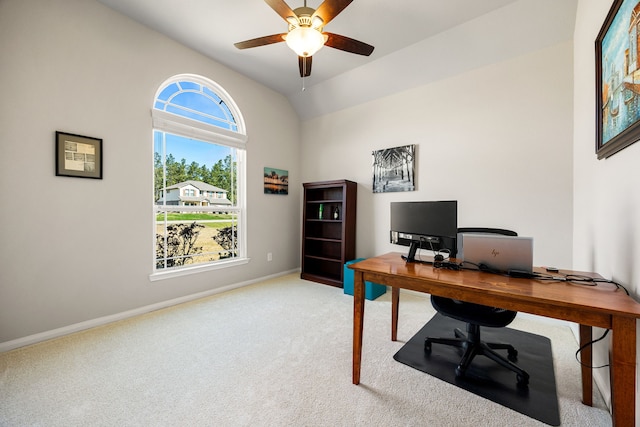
473, 346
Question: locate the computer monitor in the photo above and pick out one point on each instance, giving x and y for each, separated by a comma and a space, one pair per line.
431, 225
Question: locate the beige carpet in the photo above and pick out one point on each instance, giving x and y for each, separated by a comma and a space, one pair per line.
277, 353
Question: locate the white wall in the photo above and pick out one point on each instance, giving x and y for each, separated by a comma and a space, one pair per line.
77, 249
606, 197
497, 139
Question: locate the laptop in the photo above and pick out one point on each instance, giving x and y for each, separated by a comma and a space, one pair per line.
497, 253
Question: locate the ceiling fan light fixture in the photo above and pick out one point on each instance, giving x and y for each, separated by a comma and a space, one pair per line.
305, 32
305, 41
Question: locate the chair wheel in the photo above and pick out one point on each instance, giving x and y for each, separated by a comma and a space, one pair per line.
427, 346
523, 381
459, 372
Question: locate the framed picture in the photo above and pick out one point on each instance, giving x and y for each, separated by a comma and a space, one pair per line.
394, 169
618, 79
78, 156
276, 181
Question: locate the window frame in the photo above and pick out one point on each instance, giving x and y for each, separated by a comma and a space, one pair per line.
170, 123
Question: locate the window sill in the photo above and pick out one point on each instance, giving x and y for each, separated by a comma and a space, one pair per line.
178, 272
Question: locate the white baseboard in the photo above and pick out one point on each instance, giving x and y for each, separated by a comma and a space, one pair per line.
77, 327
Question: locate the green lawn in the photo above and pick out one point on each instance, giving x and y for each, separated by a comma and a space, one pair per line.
192, 216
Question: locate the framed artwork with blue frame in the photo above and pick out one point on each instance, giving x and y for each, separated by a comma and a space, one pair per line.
618, 79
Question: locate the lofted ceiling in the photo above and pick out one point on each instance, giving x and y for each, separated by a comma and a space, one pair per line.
211, 27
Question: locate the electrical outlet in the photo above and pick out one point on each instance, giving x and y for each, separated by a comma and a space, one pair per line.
269, 256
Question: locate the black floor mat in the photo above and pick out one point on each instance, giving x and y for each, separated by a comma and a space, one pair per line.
485, 377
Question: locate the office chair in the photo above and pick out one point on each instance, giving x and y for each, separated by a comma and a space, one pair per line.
475, 316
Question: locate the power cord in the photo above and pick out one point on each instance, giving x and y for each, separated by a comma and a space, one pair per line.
590, 343
466, 265
579, 280
575, 279
447, 265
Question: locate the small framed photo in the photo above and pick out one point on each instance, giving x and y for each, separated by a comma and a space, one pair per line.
276, 181
78, 156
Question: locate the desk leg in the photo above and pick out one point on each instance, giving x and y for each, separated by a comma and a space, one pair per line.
358, 321
395, 303
586, 360
623, 371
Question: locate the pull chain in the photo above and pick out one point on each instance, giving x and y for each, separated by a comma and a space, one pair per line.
304, 68
304, 62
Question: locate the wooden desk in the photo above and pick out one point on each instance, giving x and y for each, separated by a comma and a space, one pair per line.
604, 306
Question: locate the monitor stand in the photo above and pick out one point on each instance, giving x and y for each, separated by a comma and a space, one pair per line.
413, 248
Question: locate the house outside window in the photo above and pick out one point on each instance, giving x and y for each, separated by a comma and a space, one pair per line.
199, 178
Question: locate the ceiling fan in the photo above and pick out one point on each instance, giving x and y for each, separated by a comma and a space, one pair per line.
305, 35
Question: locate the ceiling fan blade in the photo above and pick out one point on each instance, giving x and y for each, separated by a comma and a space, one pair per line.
260, 41
281, 8
329, 9
304, 63
347, 44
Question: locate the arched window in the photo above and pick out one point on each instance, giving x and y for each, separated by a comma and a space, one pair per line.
199, 178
